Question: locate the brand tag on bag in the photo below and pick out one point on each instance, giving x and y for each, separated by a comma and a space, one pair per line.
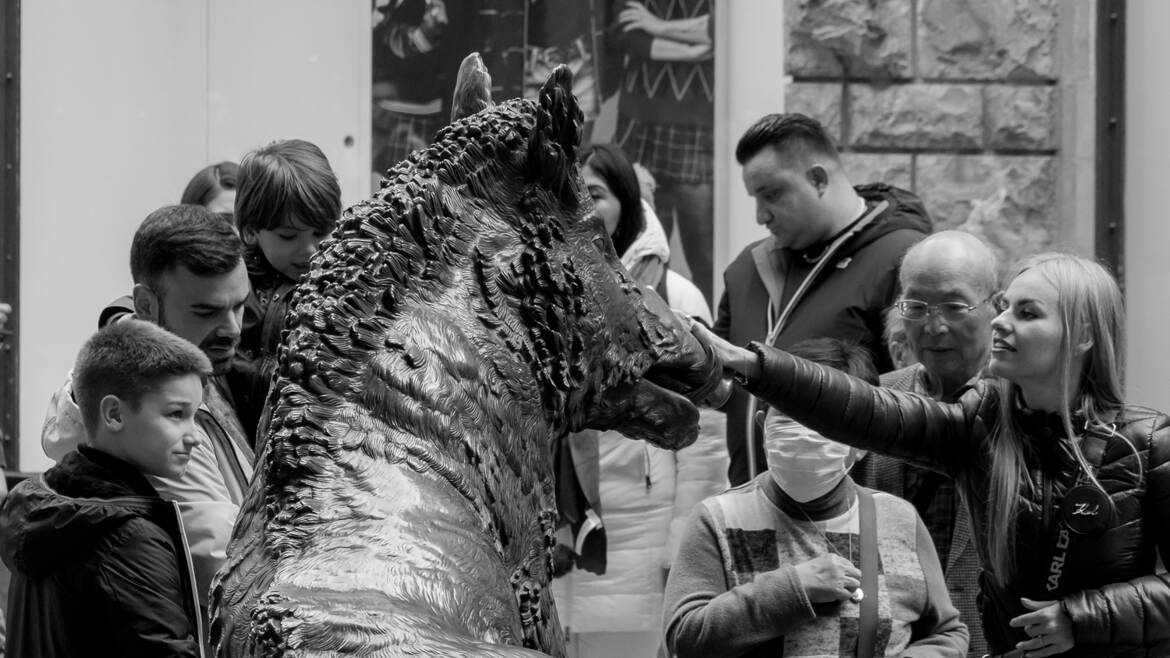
1087, 510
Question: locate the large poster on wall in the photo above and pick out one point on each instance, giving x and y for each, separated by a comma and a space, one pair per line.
643, 75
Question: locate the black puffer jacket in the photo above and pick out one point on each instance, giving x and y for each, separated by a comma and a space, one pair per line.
1106, 582
98, 565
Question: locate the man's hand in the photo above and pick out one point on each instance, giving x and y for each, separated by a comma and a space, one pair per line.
828, 578
5, 311
1048, 626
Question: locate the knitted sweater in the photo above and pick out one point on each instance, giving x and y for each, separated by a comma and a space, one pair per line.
664, 92
734, 589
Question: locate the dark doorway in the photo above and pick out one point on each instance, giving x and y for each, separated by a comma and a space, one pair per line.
10, 230
1110, 231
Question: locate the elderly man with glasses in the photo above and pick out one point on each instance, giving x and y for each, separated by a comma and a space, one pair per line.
948, 282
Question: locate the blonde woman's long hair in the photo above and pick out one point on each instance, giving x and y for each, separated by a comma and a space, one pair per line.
1091, 309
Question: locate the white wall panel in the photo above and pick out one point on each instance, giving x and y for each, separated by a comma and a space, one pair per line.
748, 33
1147, 230
113, 123
281, 69
122, 102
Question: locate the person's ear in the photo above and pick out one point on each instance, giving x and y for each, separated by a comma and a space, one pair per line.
818, 177
146, 303
1084, 341
110, 413
248, 236
856, 455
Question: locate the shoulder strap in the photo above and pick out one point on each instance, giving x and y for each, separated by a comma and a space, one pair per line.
661, 287
218, 402
867, 626
230, 467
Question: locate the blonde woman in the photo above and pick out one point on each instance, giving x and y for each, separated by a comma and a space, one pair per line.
1067, 485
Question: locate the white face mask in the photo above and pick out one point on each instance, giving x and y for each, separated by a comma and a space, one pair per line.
805, 464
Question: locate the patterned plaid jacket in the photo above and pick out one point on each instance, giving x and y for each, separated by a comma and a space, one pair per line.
937, 501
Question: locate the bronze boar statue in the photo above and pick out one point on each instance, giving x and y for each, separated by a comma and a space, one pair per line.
453, 328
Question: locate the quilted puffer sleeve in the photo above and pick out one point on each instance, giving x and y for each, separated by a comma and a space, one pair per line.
1134, 612
935, 435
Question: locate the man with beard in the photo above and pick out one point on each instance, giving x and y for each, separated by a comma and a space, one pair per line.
189, 277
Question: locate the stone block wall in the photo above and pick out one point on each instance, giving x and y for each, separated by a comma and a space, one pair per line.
956, 100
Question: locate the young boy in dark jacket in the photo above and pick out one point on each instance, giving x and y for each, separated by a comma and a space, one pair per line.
99, 561
287, 201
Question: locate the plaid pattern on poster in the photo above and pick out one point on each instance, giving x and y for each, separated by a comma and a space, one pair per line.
673, 153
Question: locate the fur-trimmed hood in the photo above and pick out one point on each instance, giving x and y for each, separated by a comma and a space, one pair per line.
650, 243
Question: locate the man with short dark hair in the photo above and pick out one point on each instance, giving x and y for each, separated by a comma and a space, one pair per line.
189, 277
947, 283
829, 269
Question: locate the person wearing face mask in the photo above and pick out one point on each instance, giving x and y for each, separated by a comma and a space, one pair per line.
785, 564
1066, 483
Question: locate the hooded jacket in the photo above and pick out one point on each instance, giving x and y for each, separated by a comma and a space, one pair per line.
99, 565
209, 493
643, 493
1108, 582
846, 301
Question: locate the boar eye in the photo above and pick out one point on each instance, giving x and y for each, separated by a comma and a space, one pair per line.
601, 242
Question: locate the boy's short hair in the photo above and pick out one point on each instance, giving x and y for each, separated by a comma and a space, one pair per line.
202, 241
129, 359
846, 356
289, 177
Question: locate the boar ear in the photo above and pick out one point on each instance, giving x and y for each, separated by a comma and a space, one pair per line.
552, 151
473, 88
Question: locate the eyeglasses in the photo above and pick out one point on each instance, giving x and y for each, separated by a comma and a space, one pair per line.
917, 311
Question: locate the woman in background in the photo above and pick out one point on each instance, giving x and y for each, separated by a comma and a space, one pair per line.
213, 187
642, 493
